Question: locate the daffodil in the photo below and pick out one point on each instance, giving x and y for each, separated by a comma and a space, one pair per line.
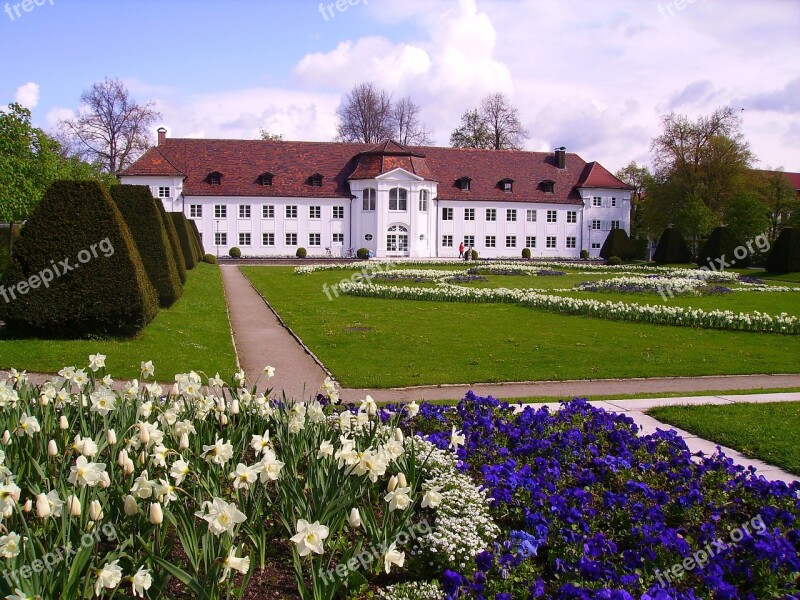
310, 537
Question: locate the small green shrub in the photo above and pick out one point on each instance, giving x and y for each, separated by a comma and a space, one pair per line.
138, 207
584, 254
301, 253
785, 254
672, 248
105, 290
210, 259
235, 252
474, 255
172, 234
185, 237
722, 245
362, 253
614, 260
617, 244
526, 253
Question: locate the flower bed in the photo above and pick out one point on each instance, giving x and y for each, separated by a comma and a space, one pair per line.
591, 510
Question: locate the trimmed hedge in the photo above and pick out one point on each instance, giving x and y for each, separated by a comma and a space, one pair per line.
301, 253
138, 208
785, 254
174, 241
210, 259
362, 253
185, 236
672, 248
617, 244
526, 253
235, 252
77, 240
722, 245
201, 250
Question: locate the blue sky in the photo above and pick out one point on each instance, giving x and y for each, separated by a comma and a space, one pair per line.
593, 76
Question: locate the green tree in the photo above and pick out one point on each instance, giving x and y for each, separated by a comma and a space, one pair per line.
638, 178
746, 216
778, 194
494, 125
264, 134
473, 132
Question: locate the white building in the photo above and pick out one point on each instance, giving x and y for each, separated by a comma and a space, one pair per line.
270, 198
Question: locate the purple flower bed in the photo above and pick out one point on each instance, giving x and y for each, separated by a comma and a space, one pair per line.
591, 510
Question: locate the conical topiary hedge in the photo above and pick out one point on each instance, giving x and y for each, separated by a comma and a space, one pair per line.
141, 214
185, 236
723, 250
784, 257
76, 270
618, 244
672, 248
174, 241
199, 239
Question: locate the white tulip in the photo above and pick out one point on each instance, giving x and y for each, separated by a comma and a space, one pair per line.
74, 506
52, 448
354, 520
111, 437
131, 508
95, 510
63, 423
156, 514
42, 506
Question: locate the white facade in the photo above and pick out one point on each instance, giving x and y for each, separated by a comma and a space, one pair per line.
407, 220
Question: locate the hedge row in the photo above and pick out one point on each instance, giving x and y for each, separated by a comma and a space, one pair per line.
185, 237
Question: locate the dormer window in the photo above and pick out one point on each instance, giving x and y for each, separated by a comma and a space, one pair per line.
464, 183
547, 186
507, 185
315, 180
215, 178
266, 179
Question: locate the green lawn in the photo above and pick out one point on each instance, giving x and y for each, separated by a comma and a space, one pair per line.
768, 432
194, 334
368, 342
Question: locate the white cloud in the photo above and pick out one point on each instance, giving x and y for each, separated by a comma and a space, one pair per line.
27, 95
54, 115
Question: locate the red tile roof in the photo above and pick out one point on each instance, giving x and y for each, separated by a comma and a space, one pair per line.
242, 162
794, 178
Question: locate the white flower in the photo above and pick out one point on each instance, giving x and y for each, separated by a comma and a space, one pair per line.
131, 508
309, 537
56, 504
108, 577
354, 519
368, 406
28, 425
84, 472
179, 471
219, 452
269, 467
412, 409
240, 378
221, 516
85, 446
141, 582
393, 557
9, 545
269, 372
235, 563
95, 510
156, 515
52, 448
73, 506
216, 381
325, 449
111, 437
260, 443
19, 595
456, 438
80, 378
142, 486
243, 476
147, 369
103, 401
165, 491
398, 498
42, 506
97, 362
107, 381
431, 498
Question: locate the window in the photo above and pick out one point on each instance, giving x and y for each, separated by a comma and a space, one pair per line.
338, 238
314, 239
338, 212
613, 201
490, 241
507, 185
491, 214
314, 212
464, 184
423, 200
291, 211
244, 239
266, 179
447, 214
397, 239
244, 211
597, 201
291, 239
367, 237
595, 224
220, 211
369, 199
447, 241
268, 211
530, 216
572, 216
164, 192
469, 240
469, 214
552, 216
547, 186
614, 224
398, 199
595, 245
511, 241
215, 178
315, 180
571, 242
530, 241
195, 211
267, 239
220, 239
551, 241
511, 214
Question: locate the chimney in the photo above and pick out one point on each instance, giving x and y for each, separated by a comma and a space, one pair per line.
561, 157
162, 136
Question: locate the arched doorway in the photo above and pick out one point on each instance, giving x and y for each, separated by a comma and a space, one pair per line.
397, 240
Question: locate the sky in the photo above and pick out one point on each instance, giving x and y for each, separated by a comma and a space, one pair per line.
594, 76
